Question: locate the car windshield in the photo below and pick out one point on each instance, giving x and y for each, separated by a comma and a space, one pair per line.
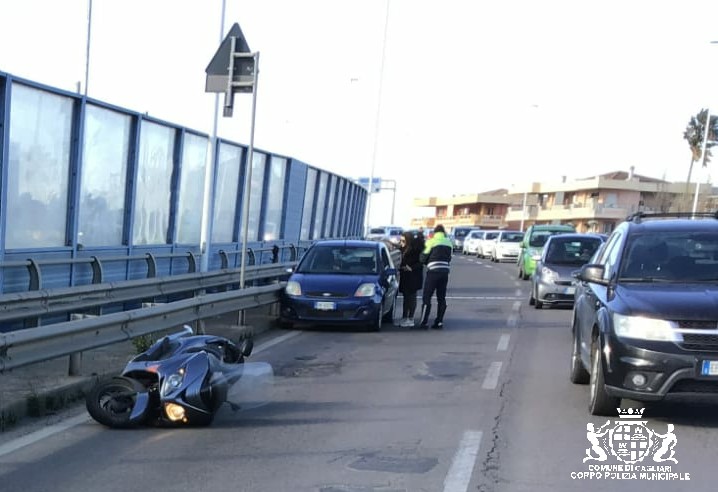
512, 237
395, 232
360, 260
490, 236
377, 230
671, 256
571, 251
539, 238
474, 235
459, 233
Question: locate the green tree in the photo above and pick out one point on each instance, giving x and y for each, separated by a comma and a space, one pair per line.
695, 130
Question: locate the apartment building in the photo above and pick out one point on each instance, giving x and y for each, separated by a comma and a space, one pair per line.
486, 210
592, 204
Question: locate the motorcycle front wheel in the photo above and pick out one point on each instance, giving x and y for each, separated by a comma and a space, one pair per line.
111, 402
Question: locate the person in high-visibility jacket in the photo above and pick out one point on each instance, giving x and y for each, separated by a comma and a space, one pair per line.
437, 258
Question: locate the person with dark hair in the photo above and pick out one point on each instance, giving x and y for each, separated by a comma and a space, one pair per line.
437, 258
412, 275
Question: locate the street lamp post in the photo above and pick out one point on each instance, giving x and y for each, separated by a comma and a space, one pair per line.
376, 120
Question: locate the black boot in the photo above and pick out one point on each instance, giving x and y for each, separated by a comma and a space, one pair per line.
439, 321
425, 312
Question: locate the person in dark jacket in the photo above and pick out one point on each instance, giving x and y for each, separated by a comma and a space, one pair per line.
412, 275
437, 258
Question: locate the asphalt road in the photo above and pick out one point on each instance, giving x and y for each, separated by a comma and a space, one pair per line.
484, 404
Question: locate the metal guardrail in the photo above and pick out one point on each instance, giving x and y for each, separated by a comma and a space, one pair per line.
33, 304
24, 347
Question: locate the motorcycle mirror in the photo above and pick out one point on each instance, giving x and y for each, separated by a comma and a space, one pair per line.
246, 347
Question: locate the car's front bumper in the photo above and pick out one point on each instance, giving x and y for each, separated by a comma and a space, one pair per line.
669, 370
549, 292
345, 311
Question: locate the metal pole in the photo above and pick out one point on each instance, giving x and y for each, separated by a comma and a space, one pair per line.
367, 219
205, 240
393, 203
703, 157
248, 178
523, 212
87, 49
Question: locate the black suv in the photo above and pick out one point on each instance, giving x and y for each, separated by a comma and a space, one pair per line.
645, 320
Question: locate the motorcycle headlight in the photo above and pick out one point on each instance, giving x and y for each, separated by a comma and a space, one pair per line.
365, 290
293, 288
645, 328
172, 382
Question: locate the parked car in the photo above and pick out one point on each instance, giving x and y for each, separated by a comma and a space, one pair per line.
645, 326
459, 234
340, 282
506, 246
385, 233
553, 283
532, 245
471, 243
486, 241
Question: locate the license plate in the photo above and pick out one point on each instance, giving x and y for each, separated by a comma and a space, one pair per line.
324, 306
709, 368
569, 290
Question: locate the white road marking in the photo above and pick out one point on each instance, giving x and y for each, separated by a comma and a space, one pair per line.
503, 343
481, 298
34, 437
492, 378
462, 466
518, 292
512, 321
275, 341
516, 305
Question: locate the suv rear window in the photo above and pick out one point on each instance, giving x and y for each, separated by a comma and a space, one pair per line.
377, 230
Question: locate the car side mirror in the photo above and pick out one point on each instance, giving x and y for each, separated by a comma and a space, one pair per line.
593, 273
246, 347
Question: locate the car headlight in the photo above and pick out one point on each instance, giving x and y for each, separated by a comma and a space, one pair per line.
548, 274
645, 328
365, 290
172, 382
293, 288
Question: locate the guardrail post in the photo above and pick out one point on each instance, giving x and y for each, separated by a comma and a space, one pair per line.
293, 252
275, 254
224, 259
192, 262
151, 265
97, 275
33, 269
252, 258
75, 366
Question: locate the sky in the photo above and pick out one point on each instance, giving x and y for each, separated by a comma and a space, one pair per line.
472, 95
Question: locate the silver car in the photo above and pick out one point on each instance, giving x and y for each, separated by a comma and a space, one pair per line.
552, 282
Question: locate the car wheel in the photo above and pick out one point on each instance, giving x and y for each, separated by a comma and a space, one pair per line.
389, 316
537, 304
579, 374
600, 402
286, 325
376, 324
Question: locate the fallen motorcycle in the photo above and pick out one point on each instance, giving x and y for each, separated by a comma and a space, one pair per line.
182, 379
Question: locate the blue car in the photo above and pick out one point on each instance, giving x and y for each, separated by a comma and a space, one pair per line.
339, 282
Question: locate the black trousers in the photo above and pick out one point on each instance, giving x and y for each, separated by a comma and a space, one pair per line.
435, 282
409, 304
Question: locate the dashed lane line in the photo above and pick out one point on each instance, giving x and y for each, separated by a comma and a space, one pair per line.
492, 377
462, 466
503, 343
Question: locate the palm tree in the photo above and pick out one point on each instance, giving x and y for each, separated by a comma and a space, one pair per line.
694, 134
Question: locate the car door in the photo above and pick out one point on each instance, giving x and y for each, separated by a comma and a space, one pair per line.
388, 279
595, 296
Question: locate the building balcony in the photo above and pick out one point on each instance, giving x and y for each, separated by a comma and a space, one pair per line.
484, 221
571, 212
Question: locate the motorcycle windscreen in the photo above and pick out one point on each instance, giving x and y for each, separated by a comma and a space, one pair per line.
253, 389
